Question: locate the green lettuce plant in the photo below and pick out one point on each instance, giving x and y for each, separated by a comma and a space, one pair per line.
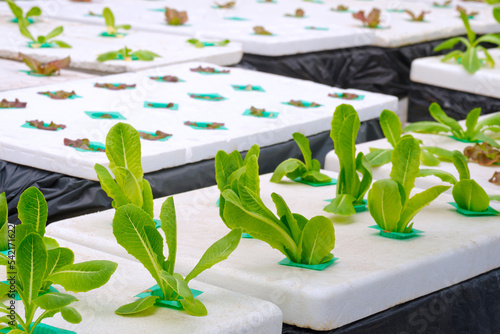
109, 19
389, 200
391, 127
135, 231
301, 240
294, 168
496, 13
41, 40
4, 224
128, 55
39, 263
467, 193
123, 149
473, 131
19, 14
229, 168
469, 58
350, 188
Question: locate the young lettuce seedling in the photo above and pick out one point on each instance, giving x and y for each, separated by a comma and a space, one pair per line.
469, 58
372, 20
127, 55
484, 154
231, 168
39, 263
50, 68
19, 14
294, 168
109, 19
174, 17
350, 189
301, 240
135, 231
41, 40
417, 18
474, 130
123, 149
391, 127
389, 200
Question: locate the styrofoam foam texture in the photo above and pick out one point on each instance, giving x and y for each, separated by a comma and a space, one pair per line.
206, 22
45, 149
228, 312
12, 78
87, 45
372, 274
432, 71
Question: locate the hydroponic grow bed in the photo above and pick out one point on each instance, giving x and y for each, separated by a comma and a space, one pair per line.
155, 105
228, 312
87, 44
372, 274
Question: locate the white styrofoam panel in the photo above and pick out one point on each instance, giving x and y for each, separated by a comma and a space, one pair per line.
228, 312
22, 145
87, 45
12, 78
481, 174
372, 274
432, 71
292, 37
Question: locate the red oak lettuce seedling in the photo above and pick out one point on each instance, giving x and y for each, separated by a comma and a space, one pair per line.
417, 18
174, 17
484, 154
370, 21
49, 68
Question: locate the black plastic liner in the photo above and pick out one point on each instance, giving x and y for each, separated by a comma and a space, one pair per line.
375, 69
472, 306
456, 104
69, 196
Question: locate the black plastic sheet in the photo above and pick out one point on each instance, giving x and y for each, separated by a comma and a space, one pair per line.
69, 196
472, 306
375, 69
456, 104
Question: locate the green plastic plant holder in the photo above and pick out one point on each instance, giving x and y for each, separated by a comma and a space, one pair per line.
116, 85
488, 212
37, 74
465, 140
157, 105
120, 57
318, 267
397, 235
154, 134
359, 98
68, 98
97, 115
15, 20
157, 221
361, 207
246, 236
317, 28
272, 35
305, 103
28, 126
160, 80
395, 10
331, 183
241, 88
94, 146
43, 329
115, 35
209, 97
212, 73
267, 114
156, 291
235, 18
203, 126
43, 45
